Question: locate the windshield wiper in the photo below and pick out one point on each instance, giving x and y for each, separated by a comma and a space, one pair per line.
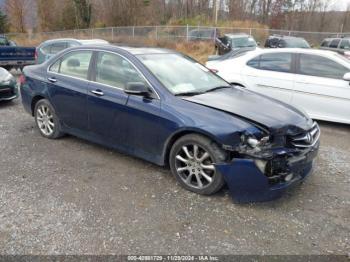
188, 93
216, 88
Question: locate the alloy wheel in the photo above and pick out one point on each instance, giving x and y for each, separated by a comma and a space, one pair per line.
45, 120
195, 166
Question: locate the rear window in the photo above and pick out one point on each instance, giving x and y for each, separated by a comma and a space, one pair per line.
46, 49
58, 47
296, 43
243, 42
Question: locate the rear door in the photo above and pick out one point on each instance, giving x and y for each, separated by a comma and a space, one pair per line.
68, 83
320, 88
271, 74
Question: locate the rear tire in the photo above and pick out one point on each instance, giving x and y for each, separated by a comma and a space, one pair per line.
47, 120
192, 160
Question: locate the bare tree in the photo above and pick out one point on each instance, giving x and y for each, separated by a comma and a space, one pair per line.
17, 11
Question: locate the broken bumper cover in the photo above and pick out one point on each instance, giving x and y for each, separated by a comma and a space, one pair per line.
248, 184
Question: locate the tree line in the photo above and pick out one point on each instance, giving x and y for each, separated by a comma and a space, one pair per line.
53, 15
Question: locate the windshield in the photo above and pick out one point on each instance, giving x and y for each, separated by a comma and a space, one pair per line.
243, 42
297, 43
181, 75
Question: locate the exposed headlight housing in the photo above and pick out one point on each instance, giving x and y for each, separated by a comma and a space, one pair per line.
253, 142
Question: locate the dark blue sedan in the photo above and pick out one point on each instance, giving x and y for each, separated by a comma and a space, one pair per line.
166, 108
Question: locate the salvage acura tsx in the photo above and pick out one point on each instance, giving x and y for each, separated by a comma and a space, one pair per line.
166, 108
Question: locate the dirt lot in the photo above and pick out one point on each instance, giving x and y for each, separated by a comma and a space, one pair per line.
69, 196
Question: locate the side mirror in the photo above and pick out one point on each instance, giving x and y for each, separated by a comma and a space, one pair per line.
346, 77
137, 89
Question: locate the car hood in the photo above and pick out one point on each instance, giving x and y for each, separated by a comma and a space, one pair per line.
265, 112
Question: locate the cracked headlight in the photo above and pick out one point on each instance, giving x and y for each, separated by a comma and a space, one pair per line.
253, 142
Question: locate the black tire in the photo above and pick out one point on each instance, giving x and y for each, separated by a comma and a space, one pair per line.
56, 133
217, 155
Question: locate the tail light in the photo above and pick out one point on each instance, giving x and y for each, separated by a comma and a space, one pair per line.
22, 79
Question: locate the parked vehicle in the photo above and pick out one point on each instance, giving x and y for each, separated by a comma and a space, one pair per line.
231, 42
13, 56
314, 80
166, 108
8, 86
51, 47
203, 34
232, 54
339, 45
280, 41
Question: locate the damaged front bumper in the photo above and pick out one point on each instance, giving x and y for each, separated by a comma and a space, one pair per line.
247, 183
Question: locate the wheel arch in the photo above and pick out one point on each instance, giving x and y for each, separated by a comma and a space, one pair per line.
177, 135
35, 100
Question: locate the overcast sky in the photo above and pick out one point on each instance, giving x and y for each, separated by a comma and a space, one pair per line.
339, 4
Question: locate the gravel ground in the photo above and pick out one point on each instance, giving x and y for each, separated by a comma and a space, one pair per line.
69, 196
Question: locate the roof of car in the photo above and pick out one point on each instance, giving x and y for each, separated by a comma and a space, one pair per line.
285, 37
238, 35
292, 50
82, 41
132, 50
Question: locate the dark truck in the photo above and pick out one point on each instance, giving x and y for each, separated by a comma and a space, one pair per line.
13, 56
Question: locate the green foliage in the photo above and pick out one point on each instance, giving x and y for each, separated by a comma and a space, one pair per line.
4, 26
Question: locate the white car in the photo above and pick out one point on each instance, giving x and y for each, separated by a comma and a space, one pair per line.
314, 80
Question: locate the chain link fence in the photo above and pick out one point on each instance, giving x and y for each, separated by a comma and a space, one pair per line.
137, 34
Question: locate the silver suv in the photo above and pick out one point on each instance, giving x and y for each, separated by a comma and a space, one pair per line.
338, 44
51, 47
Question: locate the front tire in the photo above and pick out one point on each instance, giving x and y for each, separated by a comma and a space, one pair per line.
192, 160
47, 120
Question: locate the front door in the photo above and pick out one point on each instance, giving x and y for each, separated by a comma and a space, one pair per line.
320, 88
127, 122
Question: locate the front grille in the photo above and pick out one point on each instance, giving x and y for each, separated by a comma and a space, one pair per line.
306, 139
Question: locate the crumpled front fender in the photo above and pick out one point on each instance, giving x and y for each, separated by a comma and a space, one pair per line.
248, 184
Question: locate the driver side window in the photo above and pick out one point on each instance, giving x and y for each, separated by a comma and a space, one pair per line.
116, 71
325, 67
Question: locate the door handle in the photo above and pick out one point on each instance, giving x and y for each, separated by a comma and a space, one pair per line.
52, 79
97, 92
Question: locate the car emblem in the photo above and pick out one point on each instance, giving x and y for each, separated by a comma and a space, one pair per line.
309, 138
